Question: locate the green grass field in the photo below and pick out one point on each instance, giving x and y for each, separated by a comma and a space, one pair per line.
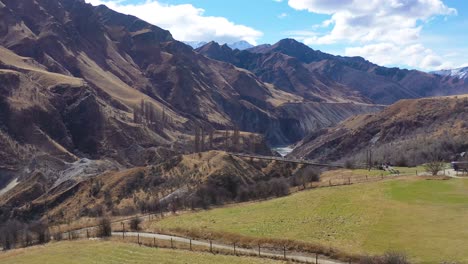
114, 252
427, 219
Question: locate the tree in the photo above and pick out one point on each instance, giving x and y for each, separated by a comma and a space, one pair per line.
210, 139
197, 141
226, 139
202, 140
142, 110
104, 228
435, 163
136, 115
434, 167
236, 139
135, 224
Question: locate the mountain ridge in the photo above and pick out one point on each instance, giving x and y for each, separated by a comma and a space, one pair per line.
377, 84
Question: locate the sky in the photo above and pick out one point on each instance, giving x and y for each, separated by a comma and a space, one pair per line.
415, 34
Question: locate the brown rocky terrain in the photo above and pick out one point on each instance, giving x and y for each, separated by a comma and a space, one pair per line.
408, 132
87, 93
84, 90
128, 191
295, 67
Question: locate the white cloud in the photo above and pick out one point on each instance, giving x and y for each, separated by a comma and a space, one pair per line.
379, 26
185, 22
414, 55
282, 15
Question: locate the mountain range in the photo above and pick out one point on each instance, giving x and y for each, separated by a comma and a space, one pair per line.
85, 90
295, 67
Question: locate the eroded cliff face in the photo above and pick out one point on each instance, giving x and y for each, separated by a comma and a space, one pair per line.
299, 120
409, 131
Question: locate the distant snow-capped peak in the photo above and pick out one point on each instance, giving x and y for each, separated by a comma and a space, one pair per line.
196, 44
461, 73
240, 45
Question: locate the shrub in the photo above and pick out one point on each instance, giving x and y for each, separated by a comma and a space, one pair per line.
434, 167
349, 164
135, 224
391, 257
104, 228
394, 257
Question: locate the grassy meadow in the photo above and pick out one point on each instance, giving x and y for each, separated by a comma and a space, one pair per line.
114, 252
427, 219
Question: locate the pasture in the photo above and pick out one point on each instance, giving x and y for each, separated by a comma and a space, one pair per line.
427, 219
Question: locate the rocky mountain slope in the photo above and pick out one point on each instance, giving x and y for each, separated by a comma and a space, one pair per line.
84, 89
409, 132
180, 179
293, 66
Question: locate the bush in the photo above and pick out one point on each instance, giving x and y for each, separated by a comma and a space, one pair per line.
388, 258
395, 258
104, 228
135, 224
349, 164
434, 167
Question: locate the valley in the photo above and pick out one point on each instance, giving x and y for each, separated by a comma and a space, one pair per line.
108, 121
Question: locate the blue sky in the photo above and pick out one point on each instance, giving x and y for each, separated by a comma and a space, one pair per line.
420, 34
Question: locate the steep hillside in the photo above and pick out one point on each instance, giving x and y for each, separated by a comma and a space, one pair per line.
408, 132
181, 179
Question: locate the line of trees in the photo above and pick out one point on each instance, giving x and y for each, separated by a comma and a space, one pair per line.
15, 234
230, 141
146, 114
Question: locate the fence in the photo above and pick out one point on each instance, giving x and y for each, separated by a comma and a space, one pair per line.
183, 243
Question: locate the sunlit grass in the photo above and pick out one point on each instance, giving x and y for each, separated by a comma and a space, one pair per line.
425, 218
88, 252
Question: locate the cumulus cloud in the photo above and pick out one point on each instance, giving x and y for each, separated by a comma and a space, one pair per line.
185, 21
379, 26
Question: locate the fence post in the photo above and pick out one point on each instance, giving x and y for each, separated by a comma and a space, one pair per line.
284, 252
366, 178
316, 258
416, 172
349, 180
190, 244
211, 246
87, 233
235, 248
259, 250
172, 243
154, 241
138, 238
69, 235
329, 182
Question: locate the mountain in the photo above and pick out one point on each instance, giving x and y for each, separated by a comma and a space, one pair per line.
240, 45
196, 44
84, 90
460, 73
293, 66
409, 132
